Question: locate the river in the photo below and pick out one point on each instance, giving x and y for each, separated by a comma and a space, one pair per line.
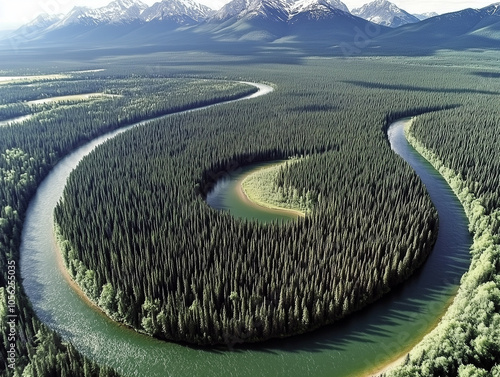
355, 346
15, 120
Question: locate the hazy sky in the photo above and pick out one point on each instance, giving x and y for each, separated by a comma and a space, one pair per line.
14, 13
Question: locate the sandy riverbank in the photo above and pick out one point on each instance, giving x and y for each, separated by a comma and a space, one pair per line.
270, 208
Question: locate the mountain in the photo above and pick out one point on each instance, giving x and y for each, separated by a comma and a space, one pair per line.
271, 20
252, 25
181, 12
384, 13
320, 26
249, 20
465, 29
425, 16
33, 28
272, 10
116, 12
277, 10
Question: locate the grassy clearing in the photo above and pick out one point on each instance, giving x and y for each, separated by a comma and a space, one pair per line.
260, 187
28, 79
76, 97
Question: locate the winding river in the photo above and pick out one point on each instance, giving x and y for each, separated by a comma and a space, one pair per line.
356, 346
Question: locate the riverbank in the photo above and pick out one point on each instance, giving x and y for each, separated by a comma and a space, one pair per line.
255, 197
473, 305
399, 360
61, 265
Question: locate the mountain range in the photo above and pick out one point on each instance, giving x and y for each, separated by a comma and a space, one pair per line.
321, 23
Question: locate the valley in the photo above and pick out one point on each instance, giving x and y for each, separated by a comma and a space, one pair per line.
273, 188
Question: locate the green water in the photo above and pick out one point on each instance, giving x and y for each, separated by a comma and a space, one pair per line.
224, 196
351, 347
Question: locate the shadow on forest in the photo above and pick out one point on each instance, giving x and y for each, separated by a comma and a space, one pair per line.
391, 310
372, 85
487, 75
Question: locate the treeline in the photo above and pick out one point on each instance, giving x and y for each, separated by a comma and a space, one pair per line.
143, 244
463, 144
27, 153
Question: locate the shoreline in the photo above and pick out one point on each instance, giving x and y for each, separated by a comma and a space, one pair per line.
69, 279
240, 191
399, 360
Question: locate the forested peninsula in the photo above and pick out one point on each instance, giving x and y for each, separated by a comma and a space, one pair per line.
141, 242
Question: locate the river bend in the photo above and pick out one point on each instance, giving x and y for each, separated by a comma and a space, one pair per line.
355, 346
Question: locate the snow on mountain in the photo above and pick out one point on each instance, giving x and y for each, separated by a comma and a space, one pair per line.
177, 10
266, 9
116, 12
77, 15
309, 5
44, 20
120, 11
231, 9
384, 13
33, 28
425, 16
279, 10
492, 10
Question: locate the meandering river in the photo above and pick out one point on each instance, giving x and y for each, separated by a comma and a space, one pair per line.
356, 346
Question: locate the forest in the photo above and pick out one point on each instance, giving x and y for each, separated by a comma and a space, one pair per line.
171, 266
30, 149
127, 242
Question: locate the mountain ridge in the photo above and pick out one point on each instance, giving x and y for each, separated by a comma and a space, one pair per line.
326, 24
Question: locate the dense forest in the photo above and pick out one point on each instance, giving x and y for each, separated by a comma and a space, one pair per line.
29, 150
142, 243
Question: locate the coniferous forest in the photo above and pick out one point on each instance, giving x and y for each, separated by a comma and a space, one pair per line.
141, 242
30, 149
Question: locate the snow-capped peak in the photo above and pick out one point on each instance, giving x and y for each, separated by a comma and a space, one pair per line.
44, 19
177, 9
385, 13
425, 16
277, 9
121, 11
118, 11
307, 5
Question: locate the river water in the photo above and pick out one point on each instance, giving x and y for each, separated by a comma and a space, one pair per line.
15, 120
355, 346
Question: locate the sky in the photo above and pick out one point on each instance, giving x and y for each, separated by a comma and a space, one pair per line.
14, 13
